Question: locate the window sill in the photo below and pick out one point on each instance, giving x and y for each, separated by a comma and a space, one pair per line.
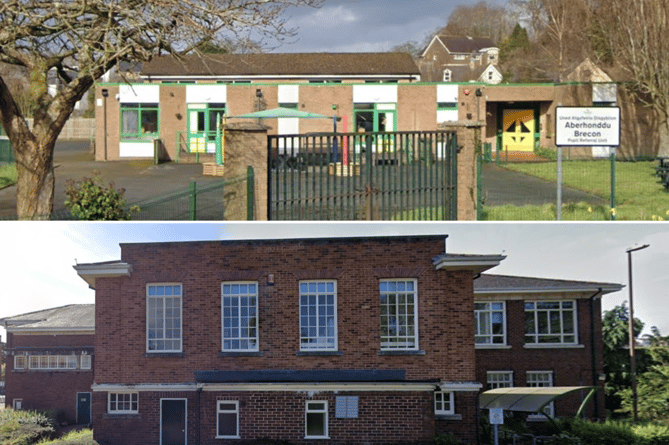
121, 416
492, 347
401, 352
228, 437
238, 354
318, 353
317, 437
553, 346
164, 354
448, 416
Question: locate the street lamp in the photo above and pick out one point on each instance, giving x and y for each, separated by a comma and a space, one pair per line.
631, 330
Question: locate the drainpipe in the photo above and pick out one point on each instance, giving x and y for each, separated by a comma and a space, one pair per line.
593, 350
199, 409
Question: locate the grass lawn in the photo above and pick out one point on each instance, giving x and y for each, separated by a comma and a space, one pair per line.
7, 175
639, 196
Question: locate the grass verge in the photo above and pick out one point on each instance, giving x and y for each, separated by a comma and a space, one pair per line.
7, 175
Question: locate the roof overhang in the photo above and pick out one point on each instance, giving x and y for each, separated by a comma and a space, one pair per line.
89, 272
528, 400
477, 264
542, 290
267, 78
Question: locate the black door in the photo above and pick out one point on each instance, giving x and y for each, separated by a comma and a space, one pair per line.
173, 422
83, 408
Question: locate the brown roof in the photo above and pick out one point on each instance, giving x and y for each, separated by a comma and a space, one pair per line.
460, 44
505, 283
65, 317
283, 64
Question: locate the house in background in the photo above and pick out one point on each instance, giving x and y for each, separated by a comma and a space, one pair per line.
460, 59
49, 361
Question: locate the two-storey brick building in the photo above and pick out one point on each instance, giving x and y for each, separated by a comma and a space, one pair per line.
49, 361
357, 340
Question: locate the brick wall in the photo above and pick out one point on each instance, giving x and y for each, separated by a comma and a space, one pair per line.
47, 389
571, 366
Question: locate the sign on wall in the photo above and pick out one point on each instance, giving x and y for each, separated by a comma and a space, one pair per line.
587, 126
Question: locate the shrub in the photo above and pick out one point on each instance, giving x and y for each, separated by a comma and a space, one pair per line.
80, 437
89, 200
652, 434
23, 427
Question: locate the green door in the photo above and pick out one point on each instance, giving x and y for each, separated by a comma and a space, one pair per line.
203, 122
83, 408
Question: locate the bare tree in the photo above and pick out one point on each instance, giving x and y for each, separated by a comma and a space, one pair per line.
637, 35
479, 20
80, 40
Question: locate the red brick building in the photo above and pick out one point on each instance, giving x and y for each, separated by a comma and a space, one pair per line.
49, 361
353, 340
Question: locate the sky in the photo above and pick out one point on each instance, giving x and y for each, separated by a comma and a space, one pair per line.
366, 25
36, 264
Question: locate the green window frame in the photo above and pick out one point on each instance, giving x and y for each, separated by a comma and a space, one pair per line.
140, 120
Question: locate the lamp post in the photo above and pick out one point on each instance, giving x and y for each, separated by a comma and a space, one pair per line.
631, 330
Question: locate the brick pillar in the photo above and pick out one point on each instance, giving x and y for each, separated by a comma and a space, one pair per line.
246, 145
469, 142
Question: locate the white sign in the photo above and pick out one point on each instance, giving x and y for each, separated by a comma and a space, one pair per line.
496, 416
587, 126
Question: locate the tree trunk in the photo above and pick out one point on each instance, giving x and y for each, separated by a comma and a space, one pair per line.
663, 135
36, 182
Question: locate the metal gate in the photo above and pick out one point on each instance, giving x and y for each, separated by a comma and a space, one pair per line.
363, 176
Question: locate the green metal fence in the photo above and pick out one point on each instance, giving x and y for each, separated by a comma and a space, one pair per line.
363, 176
205, 203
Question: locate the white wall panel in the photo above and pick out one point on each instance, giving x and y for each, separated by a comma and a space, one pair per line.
374, 94
206, 94
139, 93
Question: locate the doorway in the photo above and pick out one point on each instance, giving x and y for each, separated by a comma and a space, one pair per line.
173, 421
83, 408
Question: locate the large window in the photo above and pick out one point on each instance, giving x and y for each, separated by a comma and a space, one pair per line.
19, 362
550, 322
318, 315
541, 379
227, 419
53, 362
448, 75
123, 403
499, 379
163, 307
316, 420
139, 120
399, 314
240, 316
489, 323
444, 402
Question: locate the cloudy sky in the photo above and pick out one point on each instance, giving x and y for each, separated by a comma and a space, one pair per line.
367, 25
37, 258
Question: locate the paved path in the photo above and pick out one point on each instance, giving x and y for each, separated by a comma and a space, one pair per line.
140, 178
502, 186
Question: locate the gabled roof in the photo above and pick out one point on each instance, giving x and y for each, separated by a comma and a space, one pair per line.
489, 283
73, 317
283, 65
462, 44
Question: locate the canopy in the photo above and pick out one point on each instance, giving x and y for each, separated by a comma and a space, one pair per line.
281, 112
527, 399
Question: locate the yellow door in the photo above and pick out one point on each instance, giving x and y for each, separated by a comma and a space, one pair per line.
518, 134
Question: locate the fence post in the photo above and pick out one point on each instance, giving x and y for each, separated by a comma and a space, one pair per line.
250, 193
192, 201
370, 185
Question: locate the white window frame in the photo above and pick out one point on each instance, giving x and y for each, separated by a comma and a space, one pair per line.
163, 328
459, 57
17, 362
17, 404
541, 379
485, 316
444, 403
133, 401
387, 343
324, 411
499, 379
86, 361
328, 342
52, 362
447, 76
534, 338
220, 411
239, 314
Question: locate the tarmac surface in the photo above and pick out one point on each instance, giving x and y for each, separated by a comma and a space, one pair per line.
142, 180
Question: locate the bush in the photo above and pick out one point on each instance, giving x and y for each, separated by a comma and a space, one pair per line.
89, 200
24, 427
652, 434
81, 437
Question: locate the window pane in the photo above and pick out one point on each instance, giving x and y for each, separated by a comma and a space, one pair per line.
130, 121
315, 424
227, 424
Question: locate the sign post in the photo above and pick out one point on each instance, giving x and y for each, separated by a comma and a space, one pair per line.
496, 419
585, 127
